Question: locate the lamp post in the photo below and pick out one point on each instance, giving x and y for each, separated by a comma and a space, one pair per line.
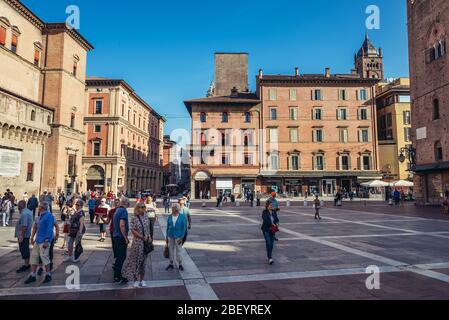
408, 153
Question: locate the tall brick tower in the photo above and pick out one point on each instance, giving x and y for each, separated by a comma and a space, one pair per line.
231, 70
369, 61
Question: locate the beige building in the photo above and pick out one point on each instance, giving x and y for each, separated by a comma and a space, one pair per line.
394, 127
45, 64
124, 139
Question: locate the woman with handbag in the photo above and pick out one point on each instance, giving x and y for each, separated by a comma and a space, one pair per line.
142, 245
270, 226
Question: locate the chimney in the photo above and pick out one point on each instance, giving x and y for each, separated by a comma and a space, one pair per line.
296, 72
328, 73
260, 73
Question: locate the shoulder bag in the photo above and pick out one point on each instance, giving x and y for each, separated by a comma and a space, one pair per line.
148, 246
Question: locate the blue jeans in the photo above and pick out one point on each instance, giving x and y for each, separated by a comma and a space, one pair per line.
269, 242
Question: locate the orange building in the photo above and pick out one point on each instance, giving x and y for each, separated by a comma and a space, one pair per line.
297, 134
124, 139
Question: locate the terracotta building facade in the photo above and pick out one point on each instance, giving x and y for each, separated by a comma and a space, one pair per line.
124, 139
320, 132
428, 27
297, 134
42, 85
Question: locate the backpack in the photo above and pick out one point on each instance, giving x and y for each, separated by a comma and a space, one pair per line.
75, 225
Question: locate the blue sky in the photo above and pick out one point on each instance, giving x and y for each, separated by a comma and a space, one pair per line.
164, 49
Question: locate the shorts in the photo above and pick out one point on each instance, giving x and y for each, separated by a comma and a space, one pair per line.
40, 252
102, 227
24, 248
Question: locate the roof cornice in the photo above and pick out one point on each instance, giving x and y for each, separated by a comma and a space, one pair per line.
123, 83
26, 12
61, 26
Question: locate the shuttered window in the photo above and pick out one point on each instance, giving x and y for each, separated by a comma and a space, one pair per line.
2, 36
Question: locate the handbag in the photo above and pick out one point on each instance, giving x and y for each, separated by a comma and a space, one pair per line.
148, 246
166, 252
274, 228
78, 250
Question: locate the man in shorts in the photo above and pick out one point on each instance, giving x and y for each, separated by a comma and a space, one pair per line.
41, 243
23, 234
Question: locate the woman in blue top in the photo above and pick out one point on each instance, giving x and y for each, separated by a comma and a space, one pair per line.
270, 225
176, 230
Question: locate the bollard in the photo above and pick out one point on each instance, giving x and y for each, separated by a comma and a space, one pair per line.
237, 203
204, 204
288, 203
305, 203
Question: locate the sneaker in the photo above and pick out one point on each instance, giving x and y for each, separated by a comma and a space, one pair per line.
136, 284
23, 269
67, 259
30, 279
76, 260
123, 281
143, 284
47, 278
170, 267
116, 280
181, 268
40, 272
271, 261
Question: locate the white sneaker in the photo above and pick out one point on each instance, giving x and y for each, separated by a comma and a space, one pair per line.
67, 259
136, 284
143, 284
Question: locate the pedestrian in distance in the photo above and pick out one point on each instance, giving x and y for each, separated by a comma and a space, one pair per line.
91, 204
141, 246
32, 204
317, 207
258, 198
151, 211
270, 226
101, 214
176, 230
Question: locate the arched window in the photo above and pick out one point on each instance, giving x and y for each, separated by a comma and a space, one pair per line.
438, 151
33, 115
436, 109
203, 117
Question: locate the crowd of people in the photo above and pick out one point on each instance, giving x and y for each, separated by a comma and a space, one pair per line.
38, 234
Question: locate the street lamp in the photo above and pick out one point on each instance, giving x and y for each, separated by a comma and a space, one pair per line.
408, 153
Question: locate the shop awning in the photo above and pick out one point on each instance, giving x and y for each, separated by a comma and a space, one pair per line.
201, 176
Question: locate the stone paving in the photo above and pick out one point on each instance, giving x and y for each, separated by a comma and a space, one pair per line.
225, 258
